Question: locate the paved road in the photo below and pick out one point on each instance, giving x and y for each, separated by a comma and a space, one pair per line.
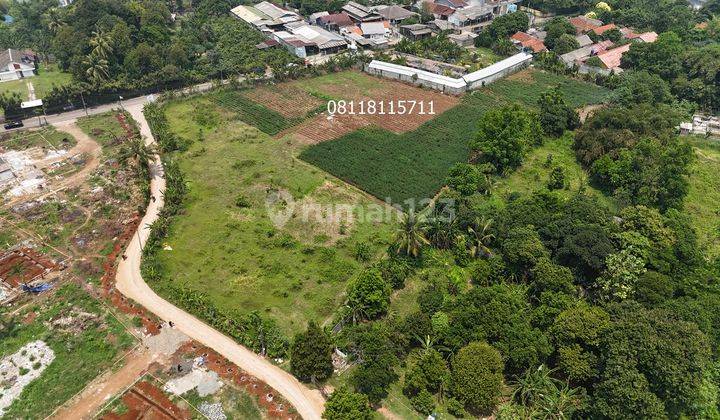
309, 403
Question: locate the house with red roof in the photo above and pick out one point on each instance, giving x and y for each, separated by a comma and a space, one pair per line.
611, 59
524, 40
602, 29
584, 24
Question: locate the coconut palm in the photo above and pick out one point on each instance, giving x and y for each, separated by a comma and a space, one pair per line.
441, 229
481, 237
98, 69
410, 235
136, 151
100, 43
549, 398
53, 20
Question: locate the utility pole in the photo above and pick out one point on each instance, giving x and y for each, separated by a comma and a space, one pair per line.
83, 102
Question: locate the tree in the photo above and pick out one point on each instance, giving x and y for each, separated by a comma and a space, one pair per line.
577, 334
622, 271
476, 378
464, 178
410, 236
377, 360
101, 44
557, 179
428, 373
344, 404
505, 25
556, 28
556, 115
523, 249
642, 87
311, 355
537, 390
369, 294
97, 69
505, 136
566, 43
481, 237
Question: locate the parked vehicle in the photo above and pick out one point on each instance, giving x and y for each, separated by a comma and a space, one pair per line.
14, 124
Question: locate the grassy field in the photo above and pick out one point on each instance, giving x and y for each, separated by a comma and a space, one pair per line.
43, 82
83, 347
225, 243
702, 202
413, 166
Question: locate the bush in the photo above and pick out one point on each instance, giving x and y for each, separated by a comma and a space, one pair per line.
423, 402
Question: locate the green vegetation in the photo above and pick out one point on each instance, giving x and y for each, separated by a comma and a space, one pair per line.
701, 202
254, 114
236, 256
83, 348
48, 138
47, 78
236, 403
413, 166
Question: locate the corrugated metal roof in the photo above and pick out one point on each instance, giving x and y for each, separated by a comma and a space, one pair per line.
497, 67
421, 74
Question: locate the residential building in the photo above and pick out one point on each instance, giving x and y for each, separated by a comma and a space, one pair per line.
578, 56
266, 16
315, 17
471, 17
584, 40
463, 39
453, 4
16, 64
374, 30
395, 14
360, 13
604, 28
306, 40
439, 11
611, 58
335, 21
525, 41
584, 24
416, 31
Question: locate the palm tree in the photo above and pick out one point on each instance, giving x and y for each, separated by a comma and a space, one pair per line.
410, 235
547, 397
100, 43
480, 233
53, 20
441, 230
98, 69
136, 151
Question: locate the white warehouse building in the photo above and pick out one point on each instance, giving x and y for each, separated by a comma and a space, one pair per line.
455, 86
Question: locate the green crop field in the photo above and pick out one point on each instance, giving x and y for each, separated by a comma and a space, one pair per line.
413, 165
252, 113
225, 243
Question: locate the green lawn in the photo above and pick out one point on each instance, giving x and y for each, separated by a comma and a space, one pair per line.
703, 200
82, 349
225, 244
43, 82
413, 166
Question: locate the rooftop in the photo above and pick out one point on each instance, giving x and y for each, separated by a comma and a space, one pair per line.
340, 19
497, 67
602, 29
584, 23
612, 58
395, 12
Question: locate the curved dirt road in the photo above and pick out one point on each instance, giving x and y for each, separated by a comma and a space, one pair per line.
129, 282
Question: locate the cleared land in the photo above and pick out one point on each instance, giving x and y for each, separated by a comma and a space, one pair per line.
85, 338
225, 243
299, 107
413, 165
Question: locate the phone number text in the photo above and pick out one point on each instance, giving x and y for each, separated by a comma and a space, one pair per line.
370, 107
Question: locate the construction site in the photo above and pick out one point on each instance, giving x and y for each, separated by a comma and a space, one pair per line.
71, 198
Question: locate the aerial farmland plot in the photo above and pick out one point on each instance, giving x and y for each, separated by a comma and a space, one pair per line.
278, 140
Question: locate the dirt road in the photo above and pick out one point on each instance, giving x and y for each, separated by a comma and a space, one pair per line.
85, 145
98, 393
129, 281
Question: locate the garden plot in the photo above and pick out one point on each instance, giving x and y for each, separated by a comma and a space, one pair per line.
325, 127
21, 368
